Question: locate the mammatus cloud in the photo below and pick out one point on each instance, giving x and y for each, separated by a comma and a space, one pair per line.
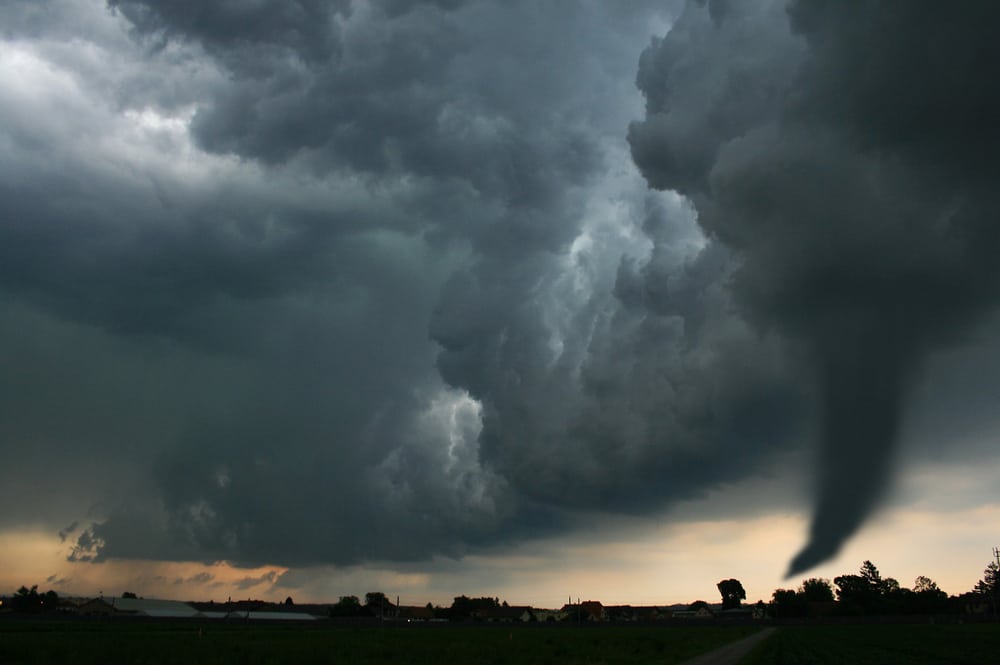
839, 151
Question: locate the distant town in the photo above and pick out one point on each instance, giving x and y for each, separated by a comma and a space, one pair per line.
863, 594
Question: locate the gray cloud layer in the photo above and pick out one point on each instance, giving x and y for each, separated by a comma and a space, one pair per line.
303, 282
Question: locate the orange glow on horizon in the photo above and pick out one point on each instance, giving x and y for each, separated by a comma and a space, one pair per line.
642, 563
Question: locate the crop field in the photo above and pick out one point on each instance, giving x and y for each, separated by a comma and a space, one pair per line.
880, 645
151, 643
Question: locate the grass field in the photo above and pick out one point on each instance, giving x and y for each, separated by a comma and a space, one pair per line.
919, 644
151, 643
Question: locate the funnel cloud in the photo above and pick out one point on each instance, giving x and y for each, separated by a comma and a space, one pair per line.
843, 152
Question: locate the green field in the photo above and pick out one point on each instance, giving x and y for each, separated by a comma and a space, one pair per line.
81, 643
880, 645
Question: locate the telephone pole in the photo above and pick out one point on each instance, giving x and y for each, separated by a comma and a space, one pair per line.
995, 586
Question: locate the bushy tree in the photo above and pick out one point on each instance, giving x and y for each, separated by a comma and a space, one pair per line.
862, 593
732, 593
348, 606
29, 600
375, 599
871, 575
927, 597
869, 593
816, 590
463, 607
925, 585
787, 603
989, 585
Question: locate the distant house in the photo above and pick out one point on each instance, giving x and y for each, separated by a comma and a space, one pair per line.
592, 610
512, 614
96, 607
173, 609
620, 613
276, 616
136, 607
68, 606
700, 613
588, 610
736, 613
151, 607
549, 616
631, 614
648, 613
415, 613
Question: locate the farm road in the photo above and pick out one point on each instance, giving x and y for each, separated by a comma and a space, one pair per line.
731, 653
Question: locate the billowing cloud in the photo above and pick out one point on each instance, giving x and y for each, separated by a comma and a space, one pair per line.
838, 151
310, 283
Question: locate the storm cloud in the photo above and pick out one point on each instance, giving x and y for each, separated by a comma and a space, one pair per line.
307, 283
840, 151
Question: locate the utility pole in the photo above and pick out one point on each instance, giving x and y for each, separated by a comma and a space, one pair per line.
996, 582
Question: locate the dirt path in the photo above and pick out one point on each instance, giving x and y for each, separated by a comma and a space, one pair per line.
732, 652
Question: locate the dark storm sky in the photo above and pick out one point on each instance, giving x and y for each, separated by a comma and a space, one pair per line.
309, 282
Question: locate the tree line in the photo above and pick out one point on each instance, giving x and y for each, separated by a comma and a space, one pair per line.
30, 600
868, 593
376, 604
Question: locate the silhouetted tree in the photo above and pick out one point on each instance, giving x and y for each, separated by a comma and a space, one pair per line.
378, 604
375, 599
925, 585
869, 593
854, 594
348, 606
29, 600
732, 593
463, 607
870, 572
816, 590
289, 602
129, 594
925, 598
991, 580
989, 586
787, 603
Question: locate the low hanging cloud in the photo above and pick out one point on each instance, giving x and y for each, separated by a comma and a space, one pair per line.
198, 579
838, 150
251, 582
